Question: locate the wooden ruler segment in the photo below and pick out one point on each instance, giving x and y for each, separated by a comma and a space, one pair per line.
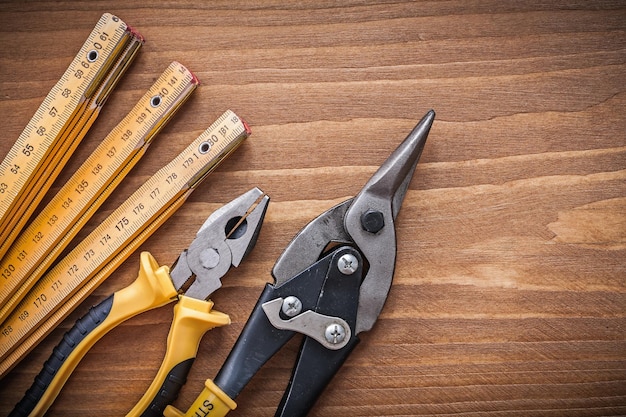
51, 231
61, 121
95, 258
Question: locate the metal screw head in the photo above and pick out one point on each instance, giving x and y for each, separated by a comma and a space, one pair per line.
292, 306
347, 264
335, 333
372, 221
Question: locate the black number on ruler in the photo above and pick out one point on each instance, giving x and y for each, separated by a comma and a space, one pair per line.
96, 170
39, 300
7, 331
67, 203
105, 239
23, 315
8, 271
28, 149
127, 135
170, 178
122, 223
72, 270
89, 254
138, 208
81, 187
52, 220
38, 236
187, 162
141, 118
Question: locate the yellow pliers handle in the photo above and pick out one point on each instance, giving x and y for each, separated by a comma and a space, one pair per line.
192, 318
152, 288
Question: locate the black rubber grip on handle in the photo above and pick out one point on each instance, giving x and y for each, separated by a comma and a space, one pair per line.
314, 369
60, 353
170, 388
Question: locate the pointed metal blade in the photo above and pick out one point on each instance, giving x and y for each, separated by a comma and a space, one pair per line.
370, 220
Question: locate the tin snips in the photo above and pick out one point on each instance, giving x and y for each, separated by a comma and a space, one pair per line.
331, 283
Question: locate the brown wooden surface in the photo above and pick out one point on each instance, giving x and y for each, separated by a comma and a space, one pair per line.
510, 290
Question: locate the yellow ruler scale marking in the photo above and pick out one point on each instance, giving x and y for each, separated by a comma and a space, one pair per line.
51, 231
93, 259
61, 121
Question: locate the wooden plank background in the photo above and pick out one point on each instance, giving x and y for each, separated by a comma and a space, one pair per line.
510, 291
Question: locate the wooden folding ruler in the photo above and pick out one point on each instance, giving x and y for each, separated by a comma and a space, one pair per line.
51, 231
91, 261
65, 115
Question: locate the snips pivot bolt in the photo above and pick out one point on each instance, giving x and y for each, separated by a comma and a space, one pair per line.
372, 221
347, 264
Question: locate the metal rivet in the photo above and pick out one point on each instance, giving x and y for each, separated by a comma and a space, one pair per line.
292, 306
155, 101
92, 55
204, 147
335, 333
209, 258
347, 264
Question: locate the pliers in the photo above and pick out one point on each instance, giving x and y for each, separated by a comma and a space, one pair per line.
225, 238
331, 283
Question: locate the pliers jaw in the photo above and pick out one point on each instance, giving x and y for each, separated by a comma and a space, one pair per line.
224, 239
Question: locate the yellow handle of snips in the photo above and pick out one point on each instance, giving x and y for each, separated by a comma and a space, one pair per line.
152, 288
211, 402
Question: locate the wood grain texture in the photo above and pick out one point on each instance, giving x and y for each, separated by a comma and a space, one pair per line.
509, 297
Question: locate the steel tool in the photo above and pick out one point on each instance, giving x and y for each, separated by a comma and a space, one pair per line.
331, 283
